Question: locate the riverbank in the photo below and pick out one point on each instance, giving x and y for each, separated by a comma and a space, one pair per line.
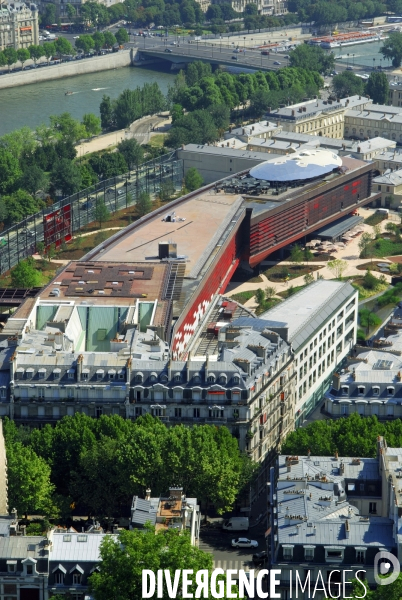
116, 60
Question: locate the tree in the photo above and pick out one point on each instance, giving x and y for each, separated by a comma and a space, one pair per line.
49, 49
143, 204
25, 275
296, 255
308, 278
251, 9
106, 112
123, 561
92, 124
122, 36
23, 55
377, 87
337, 267
49, 16
85, 43
71, 11
260, 297
99, 40
11, 56
63, 47
20, 205
347, 84
35, 52
29, 487
392, 48
66, 177
270, 292
33, 180
312, 58
10, 170
100, 237
370, 281
308, 255
102, 213
132, 152
193, 180
167, 190
110, 39
364, 244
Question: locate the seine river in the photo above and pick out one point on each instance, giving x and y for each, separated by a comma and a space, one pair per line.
32, 104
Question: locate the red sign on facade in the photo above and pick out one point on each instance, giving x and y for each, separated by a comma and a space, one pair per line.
57, 226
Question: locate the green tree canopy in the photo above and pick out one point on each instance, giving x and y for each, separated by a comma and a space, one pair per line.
123, 560
122, 36
377, 87
11, 56
102, 213
20, 205
33, 180
63, 46
132, 152
347, 84
66, 177
23, 55
99, 40
313, 58
110, 39
85, 42
26, 275
392, 48
49, 49
92, 124
143, 204
49, 15
193, 180
9, 170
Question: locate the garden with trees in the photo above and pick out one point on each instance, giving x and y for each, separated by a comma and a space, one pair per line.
97, 465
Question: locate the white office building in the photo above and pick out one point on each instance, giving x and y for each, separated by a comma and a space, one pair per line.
320, 323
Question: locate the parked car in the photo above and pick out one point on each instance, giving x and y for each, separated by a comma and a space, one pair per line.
86, 205
168, 50
235, 58
277, 62
349, 68
265, 52
259, 558
244, 543
110, 191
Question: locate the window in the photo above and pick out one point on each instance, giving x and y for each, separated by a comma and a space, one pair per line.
216, 414
211, 378
29, 569
177, 412
373, 508
390, 391
121, 374
71, 373
376, 391
138, 411
11, 566
139, 377
59, 578
360, 556
42, 373
360, 390
287, 552
236, 380
345, 390
309, 553
196, 413
99, 375
85, 376
333, 554
70, 393
344, 409
98, 412
77, 577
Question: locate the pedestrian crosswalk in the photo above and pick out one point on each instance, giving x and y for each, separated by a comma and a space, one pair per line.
236, 565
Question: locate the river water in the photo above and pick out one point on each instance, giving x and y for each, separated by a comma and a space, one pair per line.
362, 55
32, 104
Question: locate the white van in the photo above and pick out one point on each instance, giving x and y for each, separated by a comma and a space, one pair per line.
236, 524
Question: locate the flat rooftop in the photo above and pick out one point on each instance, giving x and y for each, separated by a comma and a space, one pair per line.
200, 223
111, 283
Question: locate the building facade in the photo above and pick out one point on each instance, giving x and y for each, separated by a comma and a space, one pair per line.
320, 323
19, 25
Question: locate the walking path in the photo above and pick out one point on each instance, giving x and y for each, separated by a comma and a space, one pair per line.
350, 254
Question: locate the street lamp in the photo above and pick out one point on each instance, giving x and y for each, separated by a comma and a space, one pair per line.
244, 42
373, 64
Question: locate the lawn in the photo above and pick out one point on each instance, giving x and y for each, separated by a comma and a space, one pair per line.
81, 245
267, 305
372, 266
374, 219
242, 297
385, 247
157, 140
280, 273
364, 293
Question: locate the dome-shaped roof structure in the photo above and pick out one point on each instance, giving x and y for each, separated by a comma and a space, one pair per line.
304, 165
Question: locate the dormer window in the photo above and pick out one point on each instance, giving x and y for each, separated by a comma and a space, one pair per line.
56, 374
100, 374
163, 377
121, 374
177, 377
11, 566
376, 390
390, 390
153, 377
85, 374
309, 552
223, 378
29, 373
360, 390
196, 378
77, 573
71, 373
59, 573
42, 373
139, 377
211, 379
19, 373
287, 552
345, 390
112, 374
236, 380
334, 553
